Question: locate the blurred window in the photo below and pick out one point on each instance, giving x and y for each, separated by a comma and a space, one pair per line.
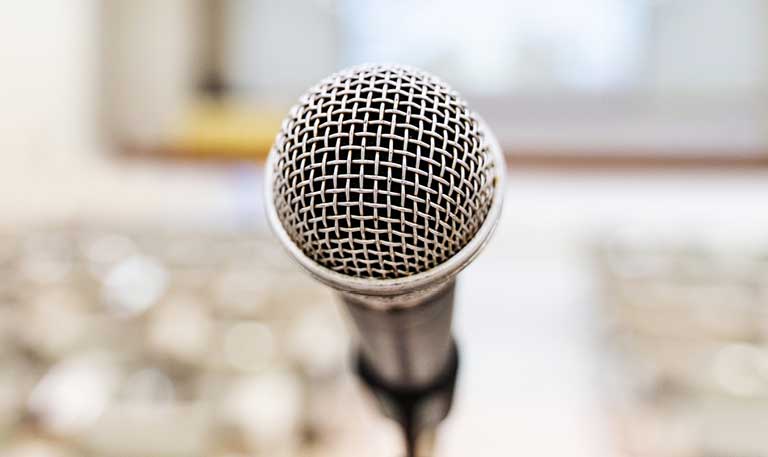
499, 45
585, 78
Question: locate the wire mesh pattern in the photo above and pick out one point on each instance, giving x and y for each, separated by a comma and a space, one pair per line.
382, 171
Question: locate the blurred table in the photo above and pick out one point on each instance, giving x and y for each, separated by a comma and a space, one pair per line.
531, 379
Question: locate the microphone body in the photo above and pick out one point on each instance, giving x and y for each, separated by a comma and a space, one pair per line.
406, 346
383, 185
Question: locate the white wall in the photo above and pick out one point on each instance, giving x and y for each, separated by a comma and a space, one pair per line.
150, 66
46, 82
708, 47
53, 164
47, 100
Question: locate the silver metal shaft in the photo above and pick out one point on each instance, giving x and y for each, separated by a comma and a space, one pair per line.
406, 347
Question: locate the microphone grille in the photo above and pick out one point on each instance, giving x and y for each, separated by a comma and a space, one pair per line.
381, 171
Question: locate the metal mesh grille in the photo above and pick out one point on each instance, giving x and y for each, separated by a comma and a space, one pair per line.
381, 172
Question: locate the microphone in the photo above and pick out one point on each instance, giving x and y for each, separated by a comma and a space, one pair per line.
384, 185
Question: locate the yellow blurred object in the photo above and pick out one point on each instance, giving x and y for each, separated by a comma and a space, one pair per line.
223, 129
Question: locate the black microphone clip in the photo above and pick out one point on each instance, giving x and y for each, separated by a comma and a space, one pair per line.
418, 411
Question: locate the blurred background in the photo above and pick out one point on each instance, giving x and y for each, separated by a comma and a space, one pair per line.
146, 310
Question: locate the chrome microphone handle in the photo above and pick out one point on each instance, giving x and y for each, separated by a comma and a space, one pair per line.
406, 347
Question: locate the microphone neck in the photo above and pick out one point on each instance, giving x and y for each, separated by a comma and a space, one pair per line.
406, 346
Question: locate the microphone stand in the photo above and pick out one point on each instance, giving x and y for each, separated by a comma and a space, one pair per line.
418, 411
408, 359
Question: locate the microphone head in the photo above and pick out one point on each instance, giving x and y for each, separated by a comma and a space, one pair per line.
382, 180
